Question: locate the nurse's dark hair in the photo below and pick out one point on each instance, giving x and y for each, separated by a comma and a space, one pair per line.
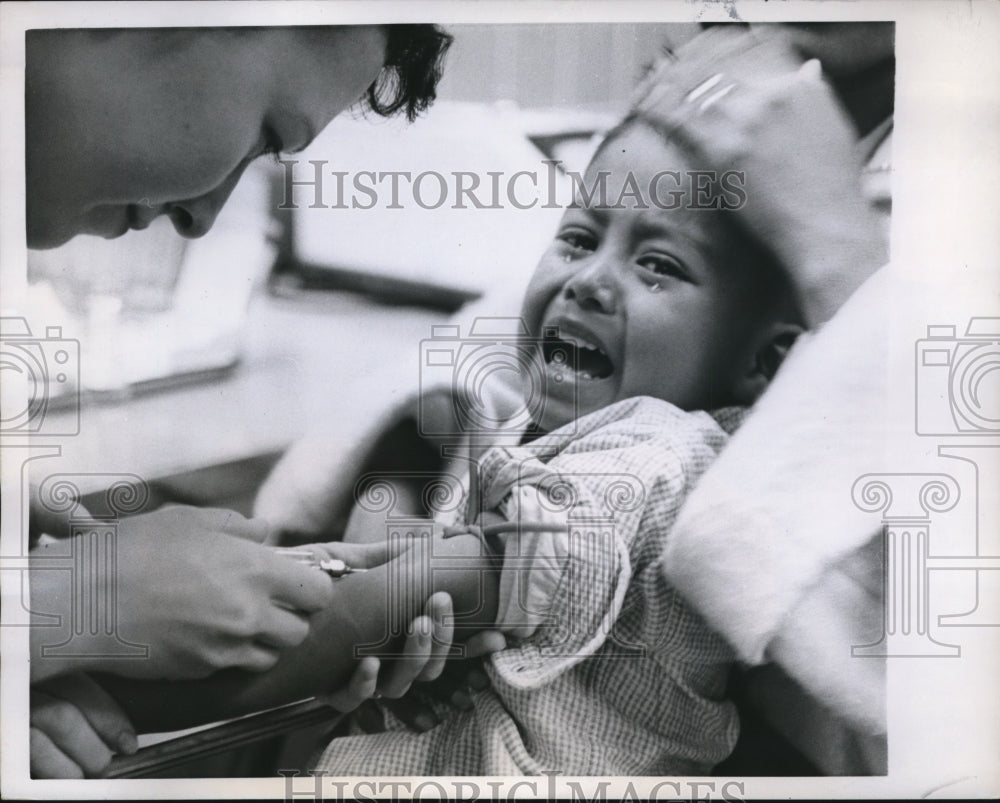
414, 61
407, 82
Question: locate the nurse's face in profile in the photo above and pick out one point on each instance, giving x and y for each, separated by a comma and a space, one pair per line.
124, 126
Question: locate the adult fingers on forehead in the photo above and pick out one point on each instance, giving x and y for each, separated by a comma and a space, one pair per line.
710, 136
676, 74
722, 133
734, 54
738, 48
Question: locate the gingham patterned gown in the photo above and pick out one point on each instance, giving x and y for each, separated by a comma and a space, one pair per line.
618, 675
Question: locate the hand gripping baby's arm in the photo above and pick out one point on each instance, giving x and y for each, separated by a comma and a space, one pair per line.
370, 608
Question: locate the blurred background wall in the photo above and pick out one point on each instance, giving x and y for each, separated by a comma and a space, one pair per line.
587, 66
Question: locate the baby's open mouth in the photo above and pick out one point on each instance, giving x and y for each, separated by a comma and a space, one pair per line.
589, 359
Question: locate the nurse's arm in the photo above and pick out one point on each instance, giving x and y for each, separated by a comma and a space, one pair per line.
368, 615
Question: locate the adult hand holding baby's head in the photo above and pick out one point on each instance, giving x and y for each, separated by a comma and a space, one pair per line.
743, 102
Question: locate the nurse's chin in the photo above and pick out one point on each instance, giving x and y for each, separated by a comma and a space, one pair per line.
117, 231
46, 233
108, 222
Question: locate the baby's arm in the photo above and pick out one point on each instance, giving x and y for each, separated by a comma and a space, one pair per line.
366, 608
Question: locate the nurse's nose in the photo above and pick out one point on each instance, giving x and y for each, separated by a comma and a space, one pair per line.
194, 217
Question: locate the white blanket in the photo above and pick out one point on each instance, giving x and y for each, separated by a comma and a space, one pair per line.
769, 546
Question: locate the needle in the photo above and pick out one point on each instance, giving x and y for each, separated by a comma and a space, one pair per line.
332, 566
337, 568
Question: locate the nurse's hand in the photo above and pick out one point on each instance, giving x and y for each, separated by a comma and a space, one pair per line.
193, 586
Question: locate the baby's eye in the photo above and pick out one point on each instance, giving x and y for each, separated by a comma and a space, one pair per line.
663, 265
579, 240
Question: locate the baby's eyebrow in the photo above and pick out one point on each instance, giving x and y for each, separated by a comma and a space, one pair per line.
597, 213
655, 223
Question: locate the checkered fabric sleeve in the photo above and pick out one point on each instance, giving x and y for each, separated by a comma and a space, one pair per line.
609, 489
614, 674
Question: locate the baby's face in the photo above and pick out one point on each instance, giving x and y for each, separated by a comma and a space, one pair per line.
651, 302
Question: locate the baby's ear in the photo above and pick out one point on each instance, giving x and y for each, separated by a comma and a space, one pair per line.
774, 344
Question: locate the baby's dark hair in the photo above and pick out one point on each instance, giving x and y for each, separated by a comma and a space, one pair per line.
414, 61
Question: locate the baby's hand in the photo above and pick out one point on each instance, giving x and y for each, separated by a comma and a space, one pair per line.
76, 728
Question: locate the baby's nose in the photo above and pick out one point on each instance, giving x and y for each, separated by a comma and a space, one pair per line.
592, 288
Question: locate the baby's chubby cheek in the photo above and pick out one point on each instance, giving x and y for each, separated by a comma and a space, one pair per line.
543, 289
